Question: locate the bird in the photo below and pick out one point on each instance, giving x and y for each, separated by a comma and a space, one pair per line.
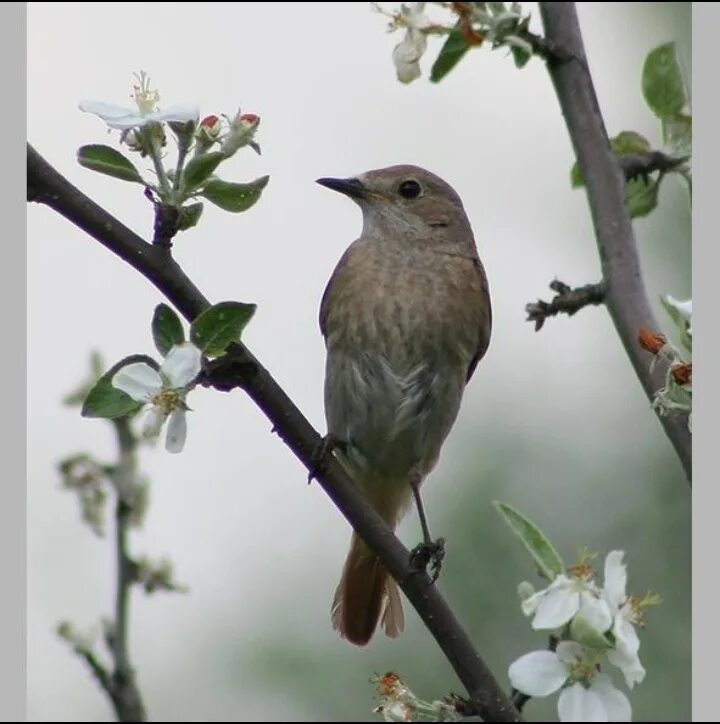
406, 318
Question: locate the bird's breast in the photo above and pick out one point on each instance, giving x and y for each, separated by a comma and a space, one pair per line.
401, 330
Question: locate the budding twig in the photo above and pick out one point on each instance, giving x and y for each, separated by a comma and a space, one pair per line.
567, 300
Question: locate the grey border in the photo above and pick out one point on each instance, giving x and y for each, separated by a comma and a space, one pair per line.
13, 19
706, 261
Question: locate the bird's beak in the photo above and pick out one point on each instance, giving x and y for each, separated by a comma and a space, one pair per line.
349, 186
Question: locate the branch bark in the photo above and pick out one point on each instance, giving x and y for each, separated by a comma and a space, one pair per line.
125, 694
625, 297
47, 186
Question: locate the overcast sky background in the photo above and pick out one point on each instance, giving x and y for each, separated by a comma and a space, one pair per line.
553, 422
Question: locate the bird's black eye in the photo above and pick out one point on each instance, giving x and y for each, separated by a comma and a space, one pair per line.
410, 189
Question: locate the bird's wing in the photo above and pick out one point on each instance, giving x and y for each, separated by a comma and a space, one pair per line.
324, 304
485, 320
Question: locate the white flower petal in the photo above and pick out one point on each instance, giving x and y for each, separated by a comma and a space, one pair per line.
615, 580
138, 380
576, 703
596, 612
182, 113
569, 651
616, 704
127, 122
556, 609
407, 54
153, 422
529, 605
626, 637
176, 432
629, 664
538, 673
685, 308
182, 364
106, 111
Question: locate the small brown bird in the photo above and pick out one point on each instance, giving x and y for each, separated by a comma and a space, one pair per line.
406, 318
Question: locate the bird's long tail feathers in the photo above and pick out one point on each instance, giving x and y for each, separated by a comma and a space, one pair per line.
366, 593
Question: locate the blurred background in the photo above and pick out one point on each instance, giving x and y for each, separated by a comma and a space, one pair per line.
554, 422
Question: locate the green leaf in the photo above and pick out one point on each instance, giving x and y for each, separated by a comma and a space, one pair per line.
108, 402
626, 143
582, 631
662, 82
189, 216
576, 178
232, 196
455, 46
104, 159
677, 133
520, 55
548, 560
199, 170
167, 329
220, 325
642, 196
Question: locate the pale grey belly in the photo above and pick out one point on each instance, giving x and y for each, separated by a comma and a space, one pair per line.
394, 418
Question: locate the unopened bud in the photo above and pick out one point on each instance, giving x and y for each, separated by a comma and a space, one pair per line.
651, 341
682, 373
241, 133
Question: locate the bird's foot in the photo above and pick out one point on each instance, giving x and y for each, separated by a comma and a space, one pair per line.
324, 448
429, 553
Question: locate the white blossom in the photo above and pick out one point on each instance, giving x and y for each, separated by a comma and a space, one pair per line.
146, 112
164, 390
407, 54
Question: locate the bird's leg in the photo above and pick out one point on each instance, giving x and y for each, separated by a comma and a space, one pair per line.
324, 448
429, 552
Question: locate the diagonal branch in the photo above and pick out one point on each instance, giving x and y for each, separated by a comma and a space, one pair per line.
626, 298
47, 186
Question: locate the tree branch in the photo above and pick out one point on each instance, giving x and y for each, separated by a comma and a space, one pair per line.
124, 691
47, 186
625, 298
567, 300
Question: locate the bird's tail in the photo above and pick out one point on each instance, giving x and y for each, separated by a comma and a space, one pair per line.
366, 593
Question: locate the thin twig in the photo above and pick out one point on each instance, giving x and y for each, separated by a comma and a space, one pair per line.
567, 300
125, 693
636, 165
625, 298
156, 264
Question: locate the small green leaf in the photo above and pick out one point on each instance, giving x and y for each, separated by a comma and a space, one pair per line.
576, 179
199, 170
104, 159
107, 401
220, 325
662, 82
582, 631
520, 55
455, 46
642, 196
189, 216
167, 329
232, 196
626, 143
548, 560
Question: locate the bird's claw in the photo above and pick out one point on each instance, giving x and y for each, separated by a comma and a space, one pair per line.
429, 553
